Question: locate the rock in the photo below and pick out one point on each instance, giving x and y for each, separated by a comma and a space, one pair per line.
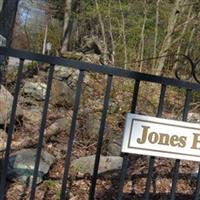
92, 124
3, 139
92, 45
33, 116
107, 163
193, 117
73, 55
69, 75
63, 72
89, 57
6, 100
92, 58
61, 94
22, 165
114, 146
64, 123
35, 90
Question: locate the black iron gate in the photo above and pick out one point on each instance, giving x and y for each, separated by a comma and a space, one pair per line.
110, 72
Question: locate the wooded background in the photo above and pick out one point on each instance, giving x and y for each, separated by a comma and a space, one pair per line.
132, 34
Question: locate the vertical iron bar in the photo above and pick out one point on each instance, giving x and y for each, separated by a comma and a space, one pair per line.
125, 156
11, 128
72, 134
175, 179
100, 137
123, 176
152, 158
41, 132
135, 96
149, 177
177, 162
161, 101
196, 195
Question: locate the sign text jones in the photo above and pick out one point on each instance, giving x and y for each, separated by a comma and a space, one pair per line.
161, 137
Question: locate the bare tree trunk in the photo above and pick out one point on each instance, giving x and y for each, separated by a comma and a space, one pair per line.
25, 29
191, 37
111, 36
168, 38
183, 33
156, 34
67, 12
45, 40
190, 40
7, 19
105, 49
124, 36
142, 36
68, 25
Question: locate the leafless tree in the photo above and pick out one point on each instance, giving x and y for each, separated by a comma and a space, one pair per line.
156, 34
169, 35
142, 36
103, 33
69, 24
111, 36
124, 36
189, 16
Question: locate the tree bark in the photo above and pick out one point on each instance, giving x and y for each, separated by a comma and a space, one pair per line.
68, 25
103, 32
142, 36
182, 34
45, 40
111, 36
156, 34
168, 38
124, 36
7, 19
189, 46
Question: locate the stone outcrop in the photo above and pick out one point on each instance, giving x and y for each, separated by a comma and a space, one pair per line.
107, 163
6, 100
22, 165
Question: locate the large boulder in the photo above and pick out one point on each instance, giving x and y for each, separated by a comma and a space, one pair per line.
62, 94
22, 163
107, 163
6, 100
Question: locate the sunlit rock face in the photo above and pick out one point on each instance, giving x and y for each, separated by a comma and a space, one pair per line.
6, 100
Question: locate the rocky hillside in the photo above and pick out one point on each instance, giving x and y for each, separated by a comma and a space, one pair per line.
28, 119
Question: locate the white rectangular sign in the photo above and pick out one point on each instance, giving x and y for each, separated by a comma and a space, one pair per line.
161, 137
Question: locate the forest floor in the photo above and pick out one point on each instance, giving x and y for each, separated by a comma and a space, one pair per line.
85, 145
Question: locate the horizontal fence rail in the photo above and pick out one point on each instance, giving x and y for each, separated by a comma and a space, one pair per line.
110, 72
97, 68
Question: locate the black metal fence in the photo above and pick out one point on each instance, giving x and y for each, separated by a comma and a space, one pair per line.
110, 72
